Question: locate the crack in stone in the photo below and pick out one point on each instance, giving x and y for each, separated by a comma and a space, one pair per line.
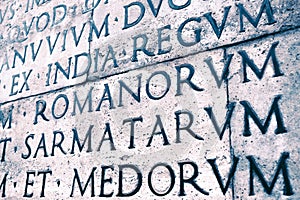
229, 127
156, 63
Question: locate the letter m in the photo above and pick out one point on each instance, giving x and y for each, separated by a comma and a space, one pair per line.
263, 127
246, 61
266, 5
93, 28
83, 189
8, 119
88, 101
3, 184
76, 139
281, 167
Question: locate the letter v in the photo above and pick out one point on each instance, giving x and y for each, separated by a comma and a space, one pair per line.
34, 54
212, 163
225, 71
27, 29
154, 10
51, 47
77, 39
2, 16
212, 117
213, 23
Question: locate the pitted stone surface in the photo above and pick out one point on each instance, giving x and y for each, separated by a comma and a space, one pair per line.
153, 99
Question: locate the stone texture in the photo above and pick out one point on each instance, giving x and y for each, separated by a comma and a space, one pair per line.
60, 103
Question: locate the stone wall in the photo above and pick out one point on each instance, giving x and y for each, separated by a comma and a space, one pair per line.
153, 99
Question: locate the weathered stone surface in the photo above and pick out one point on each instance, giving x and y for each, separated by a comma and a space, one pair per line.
197, 35
262, 94
97, 94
